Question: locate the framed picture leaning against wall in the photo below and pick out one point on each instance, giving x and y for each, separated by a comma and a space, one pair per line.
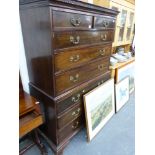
99, 107
122, 93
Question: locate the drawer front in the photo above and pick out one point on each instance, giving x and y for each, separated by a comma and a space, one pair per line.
76, 76
70, 129
76, 38
71, 20
73, 58
77, 97
29, 122
104, 22
70, 115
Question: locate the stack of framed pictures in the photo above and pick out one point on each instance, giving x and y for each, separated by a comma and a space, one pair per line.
102, 102
126, 71
99, 107
124, 84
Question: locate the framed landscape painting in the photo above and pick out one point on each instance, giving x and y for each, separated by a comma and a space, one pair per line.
128, 70
122, 93
99, 107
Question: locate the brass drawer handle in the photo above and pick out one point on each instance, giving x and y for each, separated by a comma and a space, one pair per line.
76, 99
74, 58
101, 67
76, 112
75, 41
103, 37
74, 78
102, 52
75, 21
75, 125
105, 24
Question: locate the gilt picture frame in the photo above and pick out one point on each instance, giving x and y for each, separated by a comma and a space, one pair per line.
99, 105
128, 70
122, 93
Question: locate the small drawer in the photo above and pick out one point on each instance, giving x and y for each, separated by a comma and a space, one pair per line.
29, 122
74, 77
77, 97
76, 38
70, 129
70, 115
106, 36
73, 58
104, 22
71, 20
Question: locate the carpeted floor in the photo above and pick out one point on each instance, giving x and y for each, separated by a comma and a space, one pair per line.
116, 138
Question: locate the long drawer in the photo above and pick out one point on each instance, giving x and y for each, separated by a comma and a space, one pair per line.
73, 58
70, 129
71, 20
71, 100
74, 77
76, 38
70, 115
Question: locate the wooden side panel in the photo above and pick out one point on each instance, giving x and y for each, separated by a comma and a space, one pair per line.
49, 110
36, 29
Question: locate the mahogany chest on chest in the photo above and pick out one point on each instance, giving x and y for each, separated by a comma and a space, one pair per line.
68, 46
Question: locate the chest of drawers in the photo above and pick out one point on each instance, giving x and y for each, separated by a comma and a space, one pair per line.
68, 47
